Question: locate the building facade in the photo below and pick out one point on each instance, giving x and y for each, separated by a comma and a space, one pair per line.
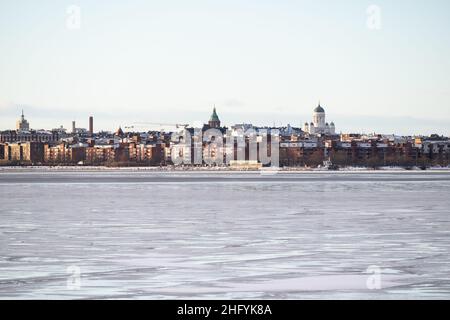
23, 153
28, 136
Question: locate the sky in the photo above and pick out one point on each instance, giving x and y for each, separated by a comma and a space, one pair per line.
376, 66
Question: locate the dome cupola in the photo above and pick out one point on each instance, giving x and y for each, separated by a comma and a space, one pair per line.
319, 109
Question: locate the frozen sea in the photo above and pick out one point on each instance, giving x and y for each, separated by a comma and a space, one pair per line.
204, 235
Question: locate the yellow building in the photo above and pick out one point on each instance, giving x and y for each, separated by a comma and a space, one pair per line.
245, 165
28, 152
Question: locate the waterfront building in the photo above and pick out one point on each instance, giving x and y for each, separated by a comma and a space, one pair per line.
2, 151
24, 152
100, 154
144, 152
64, 153
29, 136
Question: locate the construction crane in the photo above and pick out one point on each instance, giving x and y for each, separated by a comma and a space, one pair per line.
162, 125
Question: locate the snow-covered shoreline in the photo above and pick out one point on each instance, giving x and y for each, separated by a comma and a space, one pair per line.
214, 169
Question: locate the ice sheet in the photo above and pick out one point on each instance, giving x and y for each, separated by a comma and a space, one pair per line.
224, 235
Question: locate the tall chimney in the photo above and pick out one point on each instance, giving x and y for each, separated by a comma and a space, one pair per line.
91, 125
74, 128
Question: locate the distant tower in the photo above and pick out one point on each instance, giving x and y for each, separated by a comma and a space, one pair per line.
74, 128
119, 132
312, 129
22, 124
319, 117
306, 127
91, 126
332, 128
214, 121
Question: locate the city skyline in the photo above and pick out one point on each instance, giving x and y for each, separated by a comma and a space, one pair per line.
258, 62
82, 121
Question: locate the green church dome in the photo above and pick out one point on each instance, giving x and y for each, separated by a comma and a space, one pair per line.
214, 116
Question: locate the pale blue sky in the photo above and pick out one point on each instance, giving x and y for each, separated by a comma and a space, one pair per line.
259, 61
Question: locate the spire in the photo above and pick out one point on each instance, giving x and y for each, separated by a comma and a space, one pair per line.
22, 124
214, 121
119, 132
214, 116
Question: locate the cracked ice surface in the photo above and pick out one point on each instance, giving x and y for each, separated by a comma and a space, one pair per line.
224, 235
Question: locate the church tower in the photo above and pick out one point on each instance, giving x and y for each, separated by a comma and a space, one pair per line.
319, 125
319, 117
214, 121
